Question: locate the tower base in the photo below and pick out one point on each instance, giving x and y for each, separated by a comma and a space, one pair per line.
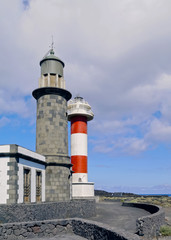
83, 190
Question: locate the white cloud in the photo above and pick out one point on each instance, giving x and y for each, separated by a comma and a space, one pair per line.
159, 132
9, 105
135, 127
4, 121
117, 56
129, 145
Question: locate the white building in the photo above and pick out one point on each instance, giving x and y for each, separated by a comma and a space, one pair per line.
22, 175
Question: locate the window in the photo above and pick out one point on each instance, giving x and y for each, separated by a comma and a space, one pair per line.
38, 186
27, 185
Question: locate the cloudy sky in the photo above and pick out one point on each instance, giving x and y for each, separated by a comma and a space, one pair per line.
117, 56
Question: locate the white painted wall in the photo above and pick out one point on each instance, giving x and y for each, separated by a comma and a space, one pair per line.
30, 153
79, 144
82, 190
79, 177
21, 165
43, 186
20, 183
3, 179
33, 168
5, 148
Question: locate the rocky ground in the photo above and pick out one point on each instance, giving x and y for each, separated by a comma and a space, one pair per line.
163, 201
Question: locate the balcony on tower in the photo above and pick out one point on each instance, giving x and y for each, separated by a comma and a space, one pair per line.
78, 106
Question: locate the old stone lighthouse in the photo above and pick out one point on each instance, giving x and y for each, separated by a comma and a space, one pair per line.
52, 127
46, 175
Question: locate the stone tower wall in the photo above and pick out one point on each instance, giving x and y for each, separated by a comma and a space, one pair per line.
52, 125
52, 142
57, 183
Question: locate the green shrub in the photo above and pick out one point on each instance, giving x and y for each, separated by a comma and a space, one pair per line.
165, 230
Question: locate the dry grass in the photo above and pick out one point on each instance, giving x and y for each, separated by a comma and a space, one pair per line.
161, 201
165, 230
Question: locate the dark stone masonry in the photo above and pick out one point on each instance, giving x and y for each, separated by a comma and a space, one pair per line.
19, 221
13, 180
84, 228
149, 225
52, 126
10, 213
52, 142
13, 176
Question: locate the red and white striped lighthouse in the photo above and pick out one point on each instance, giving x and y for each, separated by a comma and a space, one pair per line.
79, 112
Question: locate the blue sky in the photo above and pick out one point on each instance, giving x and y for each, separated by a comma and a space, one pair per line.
117, 56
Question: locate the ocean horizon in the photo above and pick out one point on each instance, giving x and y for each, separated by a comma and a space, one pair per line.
153, 194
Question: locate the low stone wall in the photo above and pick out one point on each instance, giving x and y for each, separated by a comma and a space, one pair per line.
149, 225
50, 228
10, 213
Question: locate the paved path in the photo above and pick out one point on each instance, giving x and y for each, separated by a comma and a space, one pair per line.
115, 215
63, 237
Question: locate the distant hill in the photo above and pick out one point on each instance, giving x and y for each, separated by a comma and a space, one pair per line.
114, 194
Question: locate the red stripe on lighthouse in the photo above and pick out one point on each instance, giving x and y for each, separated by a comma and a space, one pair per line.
79, 124
79, 164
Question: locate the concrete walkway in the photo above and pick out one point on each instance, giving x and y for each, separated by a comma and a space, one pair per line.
63, 237
115, 215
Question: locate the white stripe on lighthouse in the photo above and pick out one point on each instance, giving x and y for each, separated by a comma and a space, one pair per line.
79, 177
79, 144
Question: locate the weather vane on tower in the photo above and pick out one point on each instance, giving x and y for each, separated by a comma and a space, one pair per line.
51, 50
52, 46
